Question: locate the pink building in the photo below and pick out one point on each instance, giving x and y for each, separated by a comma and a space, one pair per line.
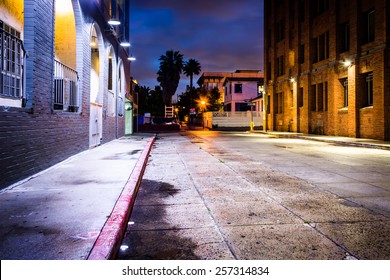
236, 88
240, 88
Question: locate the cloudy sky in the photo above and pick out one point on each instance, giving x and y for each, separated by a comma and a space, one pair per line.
223, 35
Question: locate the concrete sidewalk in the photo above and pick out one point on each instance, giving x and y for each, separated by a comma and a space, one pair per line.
77, 209
340, 140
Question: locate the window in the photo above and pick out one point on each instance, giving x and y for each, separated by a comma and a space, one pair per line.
278, 103
344, 82
121, 90
280, 66
326, 96
314, 47
260, 89
211, 86
301, 54
268, 103
269, 71
368, 26
66, 96
343, 36
320, 47
319, 7
319, 97
368, 98
280, 30
313, 98
300, 97
301, 11
241, 107
323, 5
110, 76
11, 52
237, 88
268, 39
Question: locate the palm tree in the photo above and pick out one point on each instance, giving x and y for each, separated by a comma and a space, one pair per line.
171, 66
192, 67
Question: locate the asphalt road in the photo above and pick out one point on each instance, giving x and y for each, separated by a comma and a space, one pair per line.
224, 195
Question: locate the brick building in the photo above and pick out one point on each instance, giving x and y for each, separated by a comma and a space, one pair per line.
63, 81
327, 67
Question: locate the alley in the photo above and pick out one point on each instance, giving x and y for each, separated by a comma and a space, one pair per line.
213, 195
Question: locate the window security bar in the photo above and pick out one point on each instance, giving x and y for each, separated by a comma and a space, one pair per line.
11, 67
66, 96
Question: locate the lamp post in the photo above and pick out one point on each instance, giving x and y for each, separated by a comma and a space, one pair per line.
203, 103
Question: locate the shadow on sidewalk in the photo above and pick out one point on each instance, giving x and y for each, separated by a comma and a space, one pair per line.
152, 237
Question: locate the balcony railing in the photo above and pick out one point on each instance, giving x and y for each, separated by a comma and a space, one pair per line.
66, 94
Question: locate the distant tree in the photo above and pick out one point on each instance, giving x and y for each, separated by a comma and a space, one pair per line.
191, 98
212, 97
171, 66
186, 101
156, 102
192, 67
143, 96
150, 101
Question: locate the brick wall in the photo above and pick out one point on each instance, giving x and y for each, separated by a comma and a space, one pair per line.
358, 119
36, 137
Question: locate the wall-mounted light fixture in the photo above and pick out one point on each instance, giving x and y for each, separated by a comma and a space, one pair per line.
131, 58
114, 21
125, 44
347, 63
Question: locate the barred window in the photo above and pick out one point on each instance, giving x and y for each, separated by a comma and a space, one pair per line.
66, 94
11, 52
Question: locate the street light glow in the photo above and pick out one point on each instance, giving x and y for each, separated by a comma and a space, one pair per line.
347, 63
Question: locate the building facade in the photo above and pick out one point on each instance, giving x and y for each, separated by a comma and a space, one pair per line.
327, 67
240, 88
212, 80
63, 82
237, 88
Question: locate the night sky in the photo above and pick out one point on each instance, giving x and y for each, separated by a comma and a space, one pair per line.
223, 35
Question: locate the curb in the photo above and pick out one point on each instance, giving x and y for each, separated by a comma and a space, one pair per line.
111, 235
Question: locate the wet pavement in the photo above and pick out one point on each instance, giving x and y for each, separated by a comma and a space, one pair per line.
204, 198
205, 195
59, 214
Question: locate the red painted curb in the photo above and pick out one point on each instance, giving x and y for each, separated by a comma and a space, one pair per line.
108, 241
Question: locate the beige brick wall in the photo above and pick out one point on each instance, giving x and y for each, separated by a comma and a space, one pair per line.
354, 121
